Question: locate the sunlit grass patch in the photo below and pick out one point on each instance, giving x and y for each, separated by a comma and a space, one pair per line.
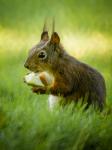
77, 44
13, 41
80, 44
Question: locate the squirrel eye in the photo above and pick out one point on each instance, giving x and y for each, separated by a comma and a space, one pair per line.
42, 55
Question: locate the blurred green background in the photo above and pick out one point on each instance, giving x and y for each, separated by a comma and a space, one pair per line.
85, 28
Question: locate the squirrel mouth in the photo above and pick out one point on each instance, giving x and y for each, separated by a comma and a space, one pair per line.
37, 71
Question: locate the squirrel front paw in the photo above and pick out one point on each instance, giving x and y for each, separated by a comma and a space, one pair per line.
39, 90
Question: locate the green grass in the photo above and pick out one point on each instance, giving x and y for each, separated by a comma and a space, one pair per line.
25, 120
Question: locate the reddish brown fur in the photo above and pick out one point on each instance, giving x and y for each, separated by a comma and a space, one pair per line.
43, 79
73, 79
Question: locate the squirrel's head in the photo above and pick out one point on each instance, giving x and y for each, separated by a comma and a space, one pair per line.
45, 54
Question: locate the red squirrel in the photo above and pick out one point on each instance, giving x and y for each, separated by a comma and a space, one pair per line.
73, 80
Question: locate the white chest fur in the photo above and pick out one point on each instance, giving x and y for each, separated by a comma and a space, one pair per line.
52, 101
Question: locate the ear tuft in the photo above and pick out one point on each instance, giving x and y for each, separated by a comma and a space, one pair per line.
55, 38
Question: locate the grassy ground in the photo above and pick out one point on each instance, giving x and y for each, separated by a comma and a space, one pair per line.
25, 121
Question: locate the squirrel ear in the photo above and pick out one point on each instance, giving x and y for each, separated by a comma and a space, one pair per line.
55, 39
44, 36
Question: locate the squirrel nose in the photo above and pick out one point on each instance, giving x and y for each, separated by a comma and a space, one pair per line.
26, 65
